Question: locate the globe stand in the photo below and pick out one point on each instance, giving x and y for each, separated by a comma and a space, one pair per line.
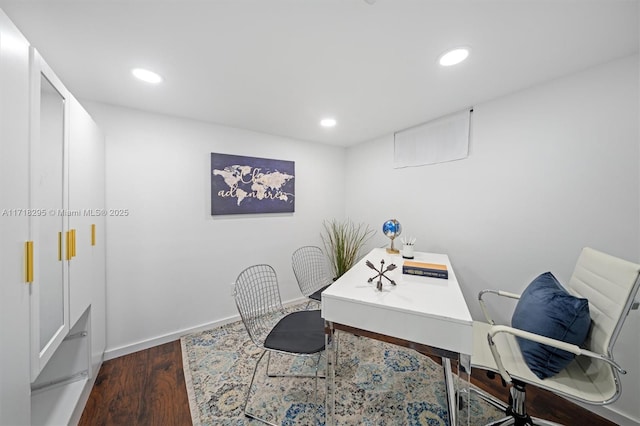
392, 229
392, 249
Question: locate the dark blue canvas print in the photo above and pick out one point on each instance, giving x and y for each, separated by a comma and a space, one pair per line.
241, 185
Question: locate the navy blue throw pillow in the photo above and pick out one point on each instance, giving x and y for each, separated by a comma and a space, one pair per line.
547, 309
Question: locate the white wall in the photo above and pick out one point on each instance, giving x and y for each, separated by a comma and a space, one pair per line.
170, 264
551, 169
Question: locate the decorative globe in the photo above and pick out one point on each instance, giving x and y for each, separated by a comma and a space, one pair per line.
392, 228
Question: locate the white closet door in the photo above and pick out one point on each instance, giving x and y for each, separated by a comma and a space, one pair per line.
48, 214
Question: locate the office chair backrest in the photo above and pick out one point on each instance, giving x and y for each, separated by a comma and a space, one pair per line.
311, 269
610, 284
257, 297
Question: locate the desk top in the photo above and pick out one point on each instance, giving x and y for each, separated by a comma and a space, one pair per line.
430, 311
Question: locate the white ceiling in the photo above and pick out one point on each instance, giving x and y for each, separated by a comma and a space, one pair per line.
279, 66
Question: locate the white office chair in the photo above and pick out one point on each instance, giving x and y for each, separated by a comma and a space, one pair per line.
610, 285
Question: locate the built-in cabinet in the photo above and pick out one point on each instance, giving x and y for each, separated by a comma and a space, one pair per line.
52, 258
87, 268
50, 241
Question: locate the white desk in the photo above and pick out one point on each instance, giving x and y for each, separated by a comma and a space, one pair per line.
426, 314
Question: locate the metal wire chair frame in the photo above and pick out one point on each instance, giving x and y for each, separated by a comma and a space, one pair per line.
311, 270
257, 297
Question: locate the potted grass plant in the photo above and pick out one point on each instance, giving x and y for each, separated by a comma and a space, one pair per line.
343, 241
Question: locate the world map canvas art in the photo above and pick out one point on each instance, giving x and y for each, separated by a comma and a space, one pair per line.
242, 185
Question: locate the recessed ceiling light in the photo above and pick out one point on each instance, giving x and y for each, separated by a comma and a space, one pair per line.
146, 75
454, 56
328, 122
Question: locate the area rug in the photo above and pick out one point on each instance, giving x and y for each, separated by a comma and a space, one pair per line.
376, 384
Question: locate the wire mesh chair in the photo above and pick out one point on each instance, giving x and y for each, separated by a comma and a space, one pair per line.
312, 272
301, 333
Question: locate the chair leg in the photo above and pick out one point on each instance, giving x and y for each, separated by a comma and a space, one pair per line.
268, 353
337, 348
246, 402
268, 363
310, 302
255, 369
490, 399
502, 422
315, 391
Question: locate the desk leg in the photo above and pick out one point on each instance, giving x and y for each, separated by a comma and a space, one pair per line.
464, 390
330, 374
450, 388
457, 390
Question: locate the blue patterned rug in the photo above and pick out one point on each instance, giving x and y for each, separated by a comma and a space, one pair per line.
376, 384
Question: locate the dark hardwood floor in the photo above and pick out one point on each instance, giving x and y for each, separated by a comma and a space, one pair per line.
148, 388
142, 388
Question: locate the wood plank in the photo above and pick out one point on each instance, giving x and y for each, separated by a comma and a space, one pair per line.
143, 388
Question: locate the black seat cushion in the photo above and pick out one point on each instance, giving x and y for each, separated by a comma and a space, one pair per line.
318, 294
299, 332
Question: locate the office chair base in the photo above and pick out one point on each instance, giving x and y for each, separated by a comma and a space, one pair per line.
511, 418
511, 421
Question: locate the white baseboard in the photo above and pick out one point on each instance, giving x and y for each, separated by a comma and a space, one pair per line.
111, 353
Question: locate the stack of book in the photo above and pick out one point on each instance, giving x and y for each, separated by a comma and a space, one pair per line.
434, 270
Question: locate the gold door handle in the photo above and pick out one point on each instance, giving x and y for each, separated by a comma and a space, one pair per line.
60, 246
28, 261
68, 251
73, 243
93, 234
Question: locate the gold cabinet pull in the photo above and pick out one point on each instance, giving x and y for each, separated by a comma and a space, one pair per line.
28, 261
93, 234
68, 251
60, 246
73, 243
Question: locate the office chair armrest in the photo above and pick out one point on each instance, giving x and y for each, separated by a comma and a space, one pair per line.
604, 358
499, 293
574, 349
569, 347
